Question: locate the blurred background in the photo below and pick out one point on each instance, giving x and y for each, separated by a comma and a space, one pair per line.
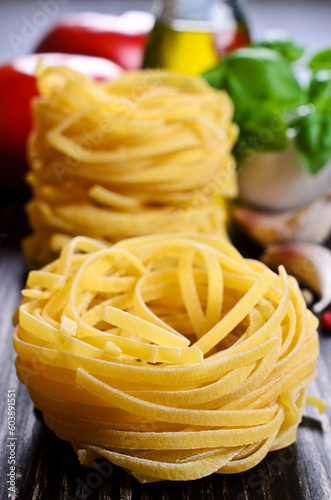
307, 21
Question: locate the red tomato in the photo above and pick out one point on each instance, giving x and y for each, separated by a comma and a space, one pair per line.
121, 39
17, 87
326, 322
16, 90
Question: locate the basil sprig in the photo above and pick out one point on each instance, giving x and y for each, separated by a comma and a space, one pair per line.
269, 100
281, 44
321, 60
262, 87
313, 140
319, 91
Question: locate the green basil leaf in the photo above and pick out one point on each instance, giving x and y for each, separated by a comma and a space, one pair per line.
262, 129
289, 50
215, 76
260, 75
319, 92
313, 140
321, 60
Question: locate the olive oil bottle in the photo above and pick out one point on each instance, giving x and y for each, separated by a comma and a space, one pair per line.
191, 35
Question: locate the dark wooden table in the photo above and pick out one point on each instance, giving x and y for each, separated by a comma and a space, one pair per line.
47, 468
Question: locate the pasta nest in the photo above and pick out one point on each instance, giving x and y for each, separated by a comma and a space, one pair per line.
147, 153
170, 355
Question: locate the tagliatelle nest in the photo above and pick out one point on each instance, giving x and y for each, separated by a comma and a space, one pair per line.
145, 154
172, 356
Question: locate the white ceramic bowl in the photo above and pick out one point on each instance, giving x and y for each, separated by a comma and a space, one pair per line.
279, 180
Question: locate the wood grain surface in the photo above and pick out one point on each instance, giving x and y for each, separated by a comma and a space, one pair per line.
47, 468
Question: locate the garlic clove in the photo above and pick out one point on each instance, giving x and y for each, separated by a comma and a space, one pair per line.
309, 223
309, 263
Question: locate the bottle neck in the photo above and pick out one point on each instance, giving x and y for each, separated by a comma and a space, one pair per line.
197, 15
183, 9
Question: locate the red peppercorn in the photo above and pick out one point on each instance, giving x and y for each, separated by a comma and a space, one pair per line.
326, 322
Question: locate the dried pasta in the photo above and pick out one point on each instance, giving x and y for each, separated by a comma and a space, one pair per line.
170, 355
145, 154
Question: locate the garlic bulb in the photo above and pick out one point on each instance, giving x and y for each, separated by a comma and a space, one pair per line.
309, 263
310, 223
278, 180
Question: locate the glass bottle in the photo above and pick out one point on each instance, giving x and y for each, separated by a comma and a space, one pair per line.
191, 35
